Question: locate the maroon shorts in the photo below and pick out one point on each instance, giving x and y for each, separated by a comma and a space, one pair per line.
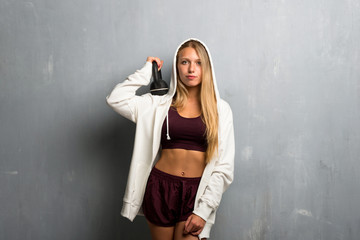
169, 199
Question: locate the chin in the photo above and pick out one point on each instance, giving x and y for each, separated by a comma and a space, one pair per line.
193, 84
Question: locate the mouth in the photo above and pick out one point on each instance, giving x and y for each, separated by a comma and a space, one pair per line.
190, 76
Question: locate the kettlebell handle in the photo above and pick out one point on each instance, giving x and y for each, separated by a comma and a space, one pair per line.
156, 73
158, 86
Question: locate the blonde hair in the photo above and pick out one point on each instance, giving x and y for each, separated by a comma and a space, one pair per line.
209, 111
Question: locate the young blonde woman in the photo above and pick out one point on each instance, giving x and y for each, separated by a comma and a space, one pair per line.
183, 158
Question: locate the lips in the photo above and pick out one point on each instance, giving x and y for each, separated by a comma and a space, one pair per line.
190, 76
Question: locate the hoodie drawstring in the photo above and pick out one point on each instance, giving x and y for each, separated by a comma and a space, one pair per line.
167, 127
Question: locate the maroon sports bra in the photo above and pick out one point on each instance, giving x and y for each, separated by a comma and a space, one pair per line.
183, 133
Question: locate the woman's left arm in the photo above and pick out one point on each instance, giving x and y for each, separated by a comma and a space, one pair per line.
223, 171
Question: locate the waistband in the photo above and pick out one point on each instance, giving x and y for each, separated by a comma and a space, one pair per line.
167, 176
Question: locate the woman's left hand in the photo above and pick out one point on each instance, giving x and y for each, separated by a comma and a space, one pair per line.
194, 225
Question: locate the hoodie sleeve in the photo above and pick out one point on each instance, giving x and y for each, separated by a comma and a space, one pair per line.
223, 171
123, 98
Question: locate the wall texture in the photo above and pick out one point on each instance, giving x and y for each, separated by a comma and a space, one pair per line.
289, 69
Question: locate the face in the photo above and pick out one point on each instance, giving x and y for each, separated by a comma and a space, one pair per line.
189, 67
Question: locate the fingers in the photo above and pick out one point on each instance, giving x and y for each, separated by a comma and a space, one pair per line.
194, 225
157, 60
197, 232
188, 227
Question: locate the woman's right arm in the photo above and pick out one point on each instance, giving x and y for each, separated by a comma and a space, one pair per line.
123, 98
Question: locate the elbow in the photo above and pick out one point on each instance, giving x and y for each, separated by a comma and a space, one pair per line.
110, 101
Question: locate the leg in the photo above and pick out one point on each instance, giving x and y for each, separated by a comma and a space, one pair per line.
179, 233
161, 233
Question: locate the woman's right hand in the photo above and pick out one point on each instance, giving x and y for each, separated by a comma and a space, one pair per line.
158, 61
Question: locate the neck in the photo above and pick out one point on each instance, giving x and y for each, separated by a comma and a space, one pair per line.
193, 93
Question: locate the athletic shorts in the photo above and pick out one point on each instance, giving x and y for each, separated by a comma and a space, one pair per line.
169, 199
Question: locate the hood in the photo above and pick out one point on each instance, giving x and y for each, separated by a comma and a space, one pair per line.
173, 83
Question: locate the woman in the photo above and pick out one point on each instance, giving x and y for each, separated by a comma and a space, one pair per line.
184, 146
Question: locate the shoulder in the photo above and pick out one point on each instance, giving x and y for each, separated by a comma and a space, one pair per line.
224, 107
150, 99
148, 103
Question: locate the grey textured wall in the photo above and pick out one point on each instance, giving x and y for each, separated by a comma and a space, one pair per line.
289, 69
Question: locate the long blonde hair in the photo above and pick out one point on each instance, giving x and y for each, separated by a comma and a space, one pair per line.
209, 111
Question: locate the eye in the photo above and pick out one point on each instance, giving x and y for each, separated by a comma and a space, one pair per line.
199, 63
184, 62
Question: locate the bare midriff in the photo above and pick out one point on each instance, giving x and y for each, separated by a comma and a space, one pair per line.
182, 162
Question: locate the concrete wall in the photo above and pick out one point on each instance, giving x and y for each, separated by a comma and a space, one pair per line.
289, 69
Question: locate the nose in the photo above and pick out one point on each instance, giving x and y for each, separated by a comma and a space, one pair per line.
191, 68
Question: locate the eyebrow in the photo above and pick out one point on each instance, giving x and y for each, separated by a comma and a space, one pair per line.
185, 58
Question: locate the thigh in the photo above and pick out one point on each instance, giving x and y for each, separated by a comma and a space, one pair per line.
179, 233
162, 199
161, 233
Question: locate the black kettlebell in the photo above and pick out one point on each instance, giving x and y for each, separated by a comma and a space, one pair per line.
158, 86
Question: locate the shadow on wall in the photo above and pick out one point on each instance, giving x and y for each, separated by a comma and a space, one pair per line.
89, 165
113, 141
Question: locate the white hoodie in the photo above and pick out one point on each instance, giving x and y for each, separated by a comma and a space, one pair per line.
148, 112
